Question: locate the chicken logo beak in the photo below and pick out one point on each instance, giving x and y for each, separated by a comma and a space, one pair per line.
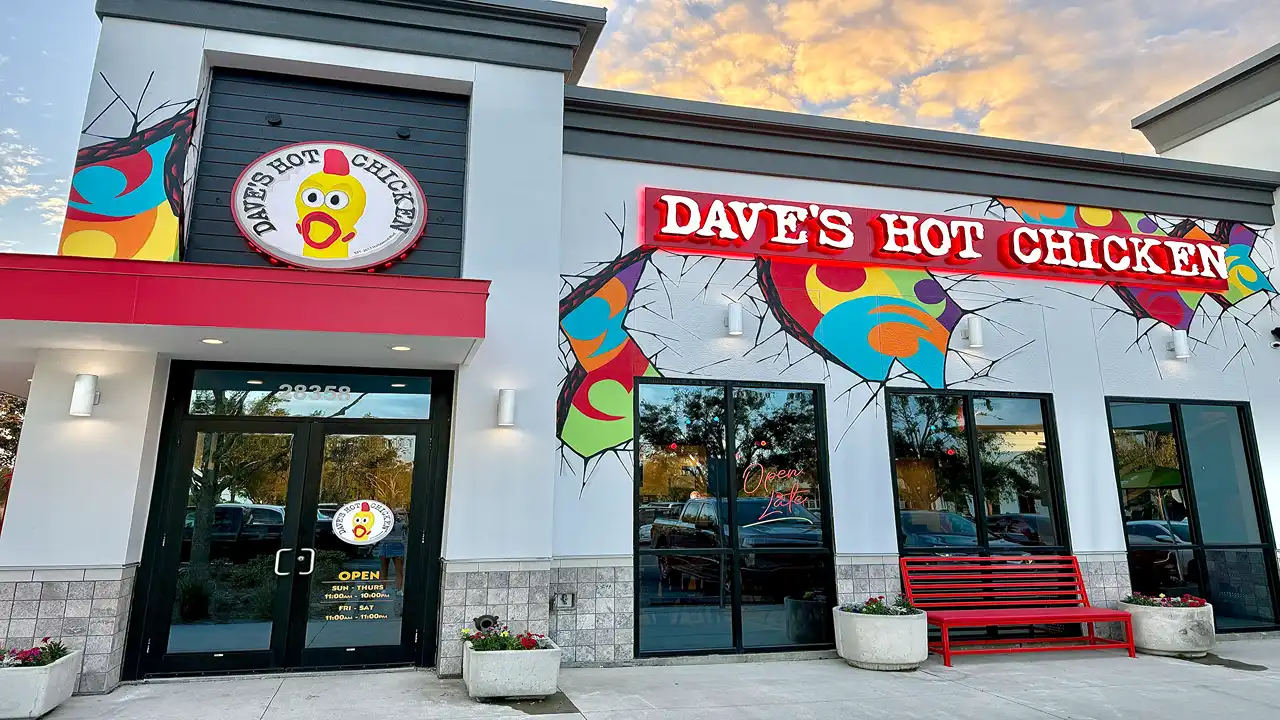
317, 237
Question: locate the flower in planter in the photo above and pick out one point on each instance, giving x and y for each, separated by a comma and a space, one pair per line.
46, 653
1161, 600
498, 637
876, 605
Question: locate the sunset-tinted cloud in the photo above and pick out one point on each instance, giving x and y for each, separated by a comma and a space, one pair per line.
1047, 70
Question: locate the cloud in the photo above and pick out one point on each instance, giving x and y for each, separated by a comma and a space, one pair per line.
52, 210
21, 99
16, 162
1030, 69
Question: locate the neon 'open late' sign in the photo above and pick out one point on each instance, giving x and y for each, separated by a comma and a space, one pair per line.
743, 226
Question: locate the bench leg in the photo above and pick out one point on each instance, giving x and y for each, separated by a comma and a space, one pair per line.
1092, 635
1128, 636
946, 646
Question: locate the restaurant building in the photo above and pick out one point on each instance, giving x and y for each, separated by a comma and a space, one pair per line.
368, 321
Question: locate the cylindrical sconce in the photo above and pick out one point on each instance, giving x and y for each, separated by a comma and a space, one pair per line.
1181, 345
84, 395
975, 331
735, 318
506, 408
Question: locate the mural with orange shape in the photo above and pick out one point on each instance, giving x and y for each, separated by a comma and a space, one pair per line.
594, 411
864, 319
126, 195
1173, 308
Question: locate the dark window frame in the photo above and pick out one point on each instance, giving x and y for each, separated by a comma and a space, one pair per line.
1058, 506
732, 553
1244, 411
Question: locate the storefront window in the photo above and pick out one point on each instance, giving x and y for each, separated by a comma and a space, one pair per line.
1004, 502
1190, 514
276, 393
733, 550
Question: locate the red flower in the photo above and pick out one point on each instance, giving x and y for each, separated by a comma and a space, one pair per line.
45, 639
528, 643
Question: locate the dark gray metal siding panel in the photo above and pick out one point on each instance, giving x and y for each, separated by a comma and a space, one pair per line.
236, 133
546, 36
1212, 109
663, 130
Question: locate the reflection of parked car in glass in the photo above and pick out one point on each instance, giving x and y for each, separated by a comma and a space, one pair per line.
1023, 528
933, 528
701, 525
1161, 556
649, 512
239, 532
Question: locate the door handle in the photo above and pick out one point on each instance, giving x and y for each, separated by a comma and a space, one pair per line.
312, 567
276, 567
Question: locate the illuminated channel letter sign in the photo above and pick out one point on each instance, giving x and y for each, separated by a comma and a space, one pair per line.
329, 206
742, 226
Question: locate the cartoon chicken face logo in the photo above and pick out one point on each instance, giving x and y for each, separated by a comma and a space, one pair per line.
363, 522
329, 204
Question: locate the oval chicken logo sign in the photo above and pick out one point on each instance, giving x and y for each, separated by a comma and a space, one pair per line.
329, 205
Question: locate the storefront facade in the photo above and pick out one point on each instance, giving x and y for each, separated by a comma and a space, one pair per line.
393, 326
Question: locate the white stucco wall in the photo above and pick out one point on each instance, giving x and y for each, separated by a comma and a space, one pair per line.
82, 485
1075, 341
1251, 141
1248, 141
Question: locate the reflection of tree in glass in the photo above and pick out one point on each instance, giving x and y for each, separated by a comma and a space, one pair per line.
681, 441
778, 429
233, 466
362, 467
929, 434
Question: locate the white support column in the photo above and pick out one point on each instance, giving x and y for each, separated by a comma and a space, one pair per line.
502, 479
82, 485
1088, 468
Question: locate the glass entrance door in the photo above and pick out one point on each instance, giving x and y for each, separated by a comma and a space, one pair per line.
295, 544
357, 592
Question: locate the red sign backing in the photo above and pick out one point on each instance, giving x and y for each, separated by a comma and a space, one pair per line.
736, 226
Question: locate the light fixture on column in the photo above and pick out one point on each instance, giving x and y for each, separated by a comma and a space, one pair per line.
1181, 345
506, 407
84, 395
734, 321
975, 331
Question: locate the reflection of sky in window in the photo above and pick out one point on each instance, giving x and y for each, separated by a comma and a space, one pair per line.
1141, 416
1008, 411
372, 396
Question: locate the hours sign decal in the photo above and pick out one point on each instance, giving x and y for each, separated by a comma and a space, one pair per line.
329, 205
737, 226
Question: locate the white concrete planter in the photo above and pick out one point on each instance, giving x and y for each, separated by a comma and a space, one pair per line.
1177, 632
492, 674
882, 642
29, 692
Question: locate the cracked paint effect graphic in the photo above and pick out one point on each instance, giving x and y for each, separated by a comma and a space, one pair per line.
881, 325
601, 359
126, 192
1153, 308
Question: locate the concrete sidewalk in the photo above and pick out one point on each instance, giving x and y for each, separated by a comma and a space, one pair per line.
1102, 685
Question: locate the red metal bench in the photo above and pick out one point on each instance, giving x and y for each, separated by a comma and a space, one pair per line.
969, 592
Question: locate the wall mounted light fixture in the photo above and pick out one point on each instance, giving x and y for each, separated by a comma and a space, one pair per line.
1181, 345
506, 407
734, 321
84, 395
975, 331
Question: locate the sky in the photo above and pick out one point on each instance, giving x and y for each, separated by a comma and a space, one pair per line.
1070, 72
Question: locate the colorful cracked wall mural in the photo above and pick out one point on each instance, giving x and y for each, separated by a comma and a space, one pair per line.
594, 411
126, 191
864, 319
1174, 309
880, 325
